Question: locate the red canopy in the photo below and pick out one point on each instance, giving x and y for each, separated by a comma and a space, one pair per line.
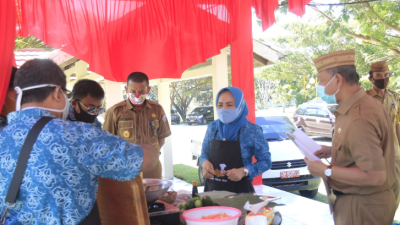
159, 38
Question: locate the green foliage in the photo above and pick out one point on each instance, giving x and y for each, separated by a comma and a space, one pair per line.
30, 42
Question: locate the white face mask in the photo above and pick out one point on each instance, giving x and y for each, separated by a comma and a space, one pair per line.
19, 91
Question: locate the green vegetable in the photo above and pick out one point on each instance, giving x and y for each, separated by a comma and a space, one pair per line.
182, 206
189, 205
207, 201
198, 204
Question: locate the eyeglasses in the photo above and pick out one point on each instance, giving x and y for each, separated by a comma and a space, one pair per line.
379, 75
93, 110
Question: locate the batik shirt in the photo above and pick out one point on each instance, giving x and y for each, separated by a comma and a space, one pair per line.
3, 122
61, 178
71, 117
252, 143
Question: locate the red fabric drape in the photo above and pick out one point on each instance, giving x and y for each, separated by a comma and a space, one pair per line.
242, 62
265, 11
7, 37
117, 37
298, 7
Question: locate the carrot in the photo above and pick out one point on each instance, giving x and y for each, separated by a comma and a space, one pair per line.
216, 216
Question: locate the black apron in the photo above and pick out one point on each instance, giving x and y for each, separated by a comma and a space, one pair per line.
226, 155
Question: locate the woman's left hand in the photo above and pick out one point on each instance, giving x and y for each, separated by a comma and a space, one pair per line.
235, 174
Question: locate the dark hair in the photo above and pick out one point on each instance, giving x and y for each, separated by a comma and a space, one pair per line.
86, 87
35, 72
12, 78
371, 74
348, 72
138, 77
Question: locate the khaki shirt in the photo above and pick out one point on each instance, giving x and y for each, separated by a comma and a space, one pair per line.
364, 139
390, 103
123, 120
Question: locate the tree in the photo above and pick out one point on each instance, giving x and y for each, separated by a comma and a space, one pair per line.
371, 28
30, 42
265, 89
183, 93
153, 94
375, 24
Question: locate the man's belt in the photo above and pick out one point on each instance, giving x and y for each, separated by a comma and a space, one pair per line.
337, 193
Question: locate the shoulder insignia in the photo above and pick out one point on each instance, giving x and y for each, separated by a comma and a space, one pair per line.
164, 118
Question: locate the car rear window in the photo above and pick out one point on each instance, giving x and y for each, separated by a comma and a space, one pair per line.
322, 113
301, 110
310, 112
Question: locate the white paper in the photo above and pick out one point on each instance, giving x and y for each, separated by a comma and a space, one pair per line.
305, 144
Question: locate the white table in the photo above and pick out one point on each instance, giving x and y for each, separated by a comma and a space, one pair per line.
296, 211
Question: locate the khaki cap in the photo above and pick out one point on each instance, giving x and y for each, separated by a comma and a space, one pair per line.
380, 66
335, 59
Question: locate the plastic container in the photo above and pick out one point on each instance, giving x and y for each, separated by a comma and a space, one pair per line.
193, 216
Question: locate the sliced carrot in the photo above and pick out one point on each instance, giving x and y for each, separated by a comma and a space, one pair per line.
216, 216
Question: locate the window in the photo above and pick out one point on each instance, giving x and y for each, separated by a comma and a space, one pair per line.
301, 110
310, 112
332, 108
322, 113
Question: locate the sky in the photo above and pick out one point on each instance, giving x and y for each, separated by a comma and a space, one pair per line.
288, 18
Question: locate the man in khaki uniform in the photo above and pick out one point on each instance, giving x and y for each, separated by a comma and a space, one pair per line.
139, 120
362, 171
379, 75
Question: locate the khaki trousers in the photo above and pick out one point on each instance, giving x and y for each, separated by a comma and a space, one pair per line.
156, 173
396, 185
373, 209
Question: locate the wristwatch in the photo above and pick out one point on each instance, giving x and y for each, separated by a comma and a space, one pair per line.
328, 171
246, 171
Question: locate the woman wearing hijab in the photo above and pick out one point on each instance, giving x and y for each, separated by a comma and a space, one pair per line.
230, 144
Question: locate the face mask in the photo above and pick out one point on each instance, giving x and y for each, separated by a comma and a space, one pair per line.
64, 111
381, 83
229, 115
330, 99
84, 116
137, 99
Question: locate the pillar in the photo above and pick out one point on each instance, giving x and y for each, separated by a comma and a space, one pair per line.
219, 75
113, 91
166, 157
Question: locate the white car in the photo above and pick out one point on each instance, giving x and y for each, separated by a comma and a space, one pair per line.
289, 171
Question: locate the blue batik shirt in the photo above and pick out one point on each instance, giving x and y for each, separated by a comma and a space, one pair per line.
252, 143
60, 181
71, 117
3, 122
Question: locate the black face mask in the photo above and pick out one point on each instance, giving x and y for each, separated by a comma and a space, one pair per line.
84, 116
381, 83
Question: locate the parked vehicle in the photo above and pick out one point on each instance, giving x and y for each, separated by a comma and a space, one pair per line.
175, 118
289, 171
201, 115
316, 119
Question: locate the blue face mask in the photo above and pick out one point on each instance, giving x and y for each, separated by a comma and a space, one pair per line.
330, 99
227, 115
